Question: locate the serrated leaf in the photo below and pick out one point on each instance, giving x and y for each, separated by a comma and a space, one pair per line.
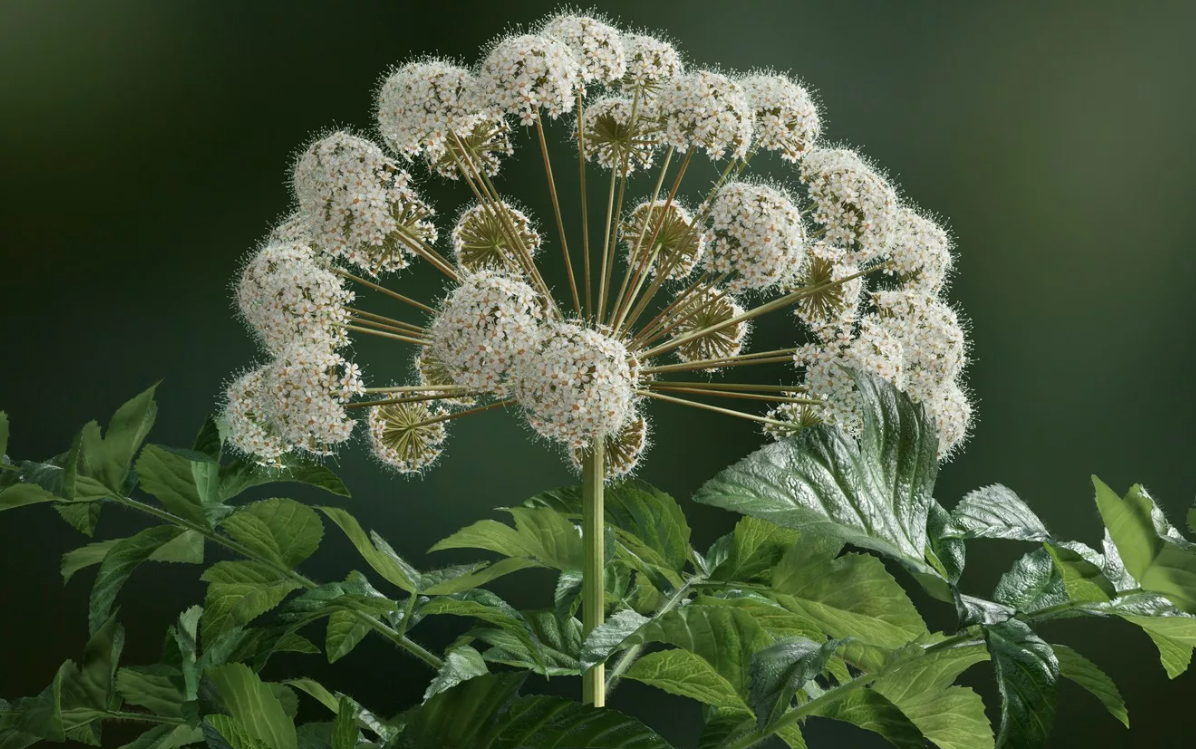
107, 458
22, 495
996, 512
780, 670
85, 557
208, 441
345, 733
158, 688
1027, 677
446, 582
1087, 674
82, 516
770, 615
238, 593
390, 566
749, 552
559, 638
226, 732
166, 737
951, 717
686, 674
609, 637
851, 596
244, 473
462, 716
871, 711
187, 487
1159, 562
91, 686
1082, 571
345, 631
461, 663
354, 594
281, 530
1032, 585
118, 564
875, 493
1175, 656
972, 611
254, 705
945, 554
540, 534
487, 607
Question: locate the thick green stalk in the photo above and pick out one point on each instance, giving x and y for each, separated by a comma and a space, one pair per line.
593, 590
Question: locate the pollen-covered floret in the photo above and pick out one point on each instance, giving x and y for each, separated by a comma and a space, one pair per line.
307, 387
482, 238
853, 201
481, 150
705, 110
623, 450
755, 233
523, 74
576, 385
786, 118
293, 229
704, 308
248, 418
920, 252
433, 372
595, 45
933, 341
650, 62
951, 410
678, 245
359, 205
406, 436
422, 104
485, 325
609, 136
827, 306
287, 293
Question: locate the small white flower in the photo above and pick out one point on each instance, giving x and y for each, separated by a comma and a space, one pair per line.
933, 341
610, 138
951, 410
483, 148
307, 388
524, 74
853, 201
755, 233
482, 238
705, 110
358, 203
248, 417
650, 62
485, 325
596, 45
421, 105
678, 246
576, 385
402, 437
288, 293
786, 118
920, 251
831, 307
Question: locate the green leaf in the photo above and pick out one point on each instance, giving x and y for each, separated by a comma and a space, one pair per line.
186, 548
461, 663
281, 530
1082, 571
238, 593
354, 594
85, 557
92, 685
945, 554
158, 688
82, 516
1027, 677
21, 495
1087, 674
209, 441
487, 607
345, 733
750, 552
122, 558
462, 716
851, 596
390, 566
226, 732
444, 582
608, 637
555, 722
875, 494
1175, 656
345, 631
244, 473
166, 737
871, 711
919, 684
996, 512
1192, 519
185, 482
540, 534
254, 705
559, 637
770, 615
107, 458
1033, 584
781, 670
1159, 562
685, 674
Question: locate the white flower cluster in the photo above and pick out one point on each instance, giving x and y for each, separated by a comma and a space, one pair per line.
486, 325
358, 204
610, 138
482, 238
704, 308
678, 246
307, 387
756, 233
421, 105
650, 62
288, 293
929, 331
481, 150
595, 44
920, 251
247, 417
406, 436
853, 201
786, 118
523, 74
705, 110
577, 385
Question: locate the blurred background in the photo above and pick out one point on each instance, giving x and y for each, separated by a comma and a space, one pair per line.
144, 148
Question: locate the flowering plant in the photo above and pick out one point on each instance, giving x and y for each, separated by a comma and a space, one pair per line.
772, 625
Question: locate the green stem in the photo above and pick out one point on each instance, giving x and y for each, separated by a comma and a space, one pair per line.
593, 591
382, 628
122, 715
407, 612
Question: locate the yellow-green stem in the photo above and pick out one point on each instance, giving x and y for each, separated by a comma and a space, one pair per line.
593, 591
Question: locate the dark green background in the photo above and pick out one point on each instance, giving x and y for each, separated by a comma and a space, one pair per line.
145, 148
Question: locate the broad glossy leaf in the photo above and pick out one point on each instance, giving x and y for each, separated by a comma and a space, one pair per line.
540, 721
1032, 585
281, 530
1087, 674
461, 663
238, 593
610, 636
158, 688
944, 553
871, 711
851, 596
875, 494
345, 631
686, 674
1027, 677
244, 473
919, 684
749, 552
345, 733
353, 594
996, 512
121, 559
540, 534
187, 484
462, 716
447, 581
559, 638
778, 672
972, 610
254, 705
774, 618
1082, 571
166, 737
